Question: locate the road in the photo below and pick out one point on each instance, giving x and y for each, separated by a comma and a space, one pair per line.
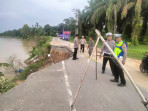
53, 88
132, 65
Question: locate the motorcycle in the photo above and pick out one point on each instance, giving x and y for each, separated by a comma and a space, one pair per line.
144, 64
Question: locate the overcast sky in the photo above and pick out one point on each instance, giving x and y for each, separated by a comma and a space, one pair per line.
15, 13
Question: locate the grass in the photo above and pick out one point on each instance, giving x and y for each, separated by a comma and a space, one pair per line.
137, 52
71, 39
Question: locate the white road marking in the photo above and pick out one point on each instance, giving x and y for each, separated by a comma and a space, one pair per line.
70, 96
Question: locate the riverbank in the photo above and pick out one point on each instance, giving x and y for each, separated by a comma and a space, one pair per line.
15, 70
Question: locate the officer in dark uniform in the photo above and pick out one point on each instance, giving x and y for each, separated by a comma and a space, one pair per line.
121, 52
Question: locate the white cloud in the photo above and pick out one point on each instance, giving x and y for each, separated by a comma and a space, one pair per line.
15, 13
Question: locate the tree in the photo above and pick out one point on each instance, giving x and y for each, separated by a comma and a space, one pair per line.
47, 29
123, 16
137, 23
69, 25
25, 31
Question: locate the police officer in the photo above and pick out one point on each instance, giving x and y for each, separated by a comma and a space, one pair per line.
90, 46
106, 52
121, 52
76, 46
82, 43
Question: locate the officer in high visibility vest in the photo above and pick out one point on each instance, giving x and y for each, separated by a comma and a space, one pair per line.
121, 52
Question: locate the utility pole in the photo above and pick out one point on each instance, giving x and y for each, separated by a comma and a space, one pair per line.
77, 20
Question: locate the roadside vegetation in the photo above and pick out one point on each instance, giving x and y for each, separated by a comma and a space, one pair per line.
137, 52
38, 56
5, 84
4, 64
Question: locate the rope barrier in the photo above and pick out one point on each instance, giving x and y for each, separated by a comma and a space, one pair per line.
127, 73
83, 77
144, 101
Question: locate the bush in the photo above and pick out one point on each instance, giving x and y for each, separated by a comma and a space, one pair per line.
30, 69
1, 74
42, 48
4, 64
5, 84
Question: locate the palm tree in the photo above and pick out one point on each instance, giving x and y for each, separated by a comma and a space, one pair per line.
137, 23
111, 9
124, 16
136, 19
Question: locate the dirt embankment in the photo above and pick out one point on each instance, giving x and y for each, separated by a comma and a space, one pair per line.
59, 53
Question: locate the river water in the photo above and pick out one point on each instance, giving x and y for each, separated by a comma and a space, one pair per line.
14, 47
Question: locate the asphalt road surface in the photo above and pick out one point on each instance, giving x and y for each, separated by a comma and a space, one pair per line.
53, 88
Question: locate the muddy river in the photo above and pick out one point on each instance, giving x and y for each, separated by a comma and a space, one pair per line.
14, 47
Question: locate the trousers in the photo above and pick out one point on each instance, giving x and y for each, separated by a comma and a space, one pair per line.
118, 72
82, 47
75, 53
105, 60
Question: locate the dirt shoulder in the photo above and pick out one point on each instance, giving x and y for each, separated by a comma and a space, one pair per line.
132, 65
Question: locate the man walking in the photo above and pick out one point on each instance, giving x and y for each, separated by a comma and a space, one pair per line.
90, 46
121, 52
106, 53
76, 46
82, 42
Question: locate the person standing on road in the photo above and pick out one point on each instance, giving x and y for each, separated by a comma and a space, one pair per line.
82, 42
121, 52
76, 46
90, 46
106, 53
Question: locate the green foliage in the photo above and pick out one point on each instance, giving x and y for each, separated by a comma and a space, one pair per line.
97, 14
128, 17
1, 74
92, 34
5, 84
71, 39
126, 8
43, 47
30, 69
25, 31
137, 24
47, 29
137, 52
4, 64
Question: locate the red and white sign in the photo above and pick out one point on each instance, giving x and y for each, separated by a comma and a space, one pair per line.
67, 32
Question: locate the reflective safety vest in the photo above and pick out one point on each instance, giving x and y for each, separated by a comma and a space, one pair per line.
118, 49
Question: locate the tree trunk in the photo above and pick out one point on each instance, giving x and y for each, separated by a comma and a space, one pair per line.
115, 18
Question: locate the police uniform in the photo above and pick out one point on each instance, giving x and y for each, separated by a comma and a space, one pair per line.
121, 54
90, 47
76, 46
106, 53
